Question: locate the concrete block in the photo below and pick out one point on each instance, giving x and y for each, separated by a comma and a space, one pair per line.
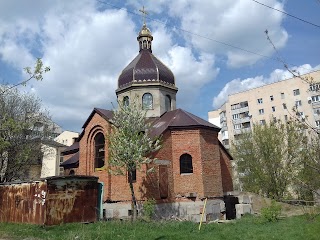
245, 199
108, 213
242, 209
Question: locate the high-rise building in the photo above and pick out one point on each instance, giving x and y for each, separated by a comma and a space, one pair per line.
297, 97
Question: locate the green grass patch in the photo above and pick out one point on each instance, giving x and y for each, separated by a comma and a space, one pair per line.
298, 227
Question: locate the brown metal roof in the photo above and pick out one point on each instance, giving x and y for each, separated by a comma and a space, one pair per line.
106, 114
179, 119
72, 149
71, 162
145, 67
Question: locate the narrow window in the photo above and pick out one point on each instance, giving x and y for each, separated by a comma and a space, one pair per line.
147, 101
125, 101
284, 106
296, 92
273, 108
261, 111
271, 98
259, 100
262, 122
133, 175
282, 95
298, 103
168, 103
99, 150
286, 118
186, 164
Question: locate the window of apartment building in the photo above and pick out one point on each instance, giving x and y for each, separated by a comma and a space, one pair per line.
298, 103
273, 108
237, 126
282, 95
315, 98
316, 111
286, 117
235, 106
296, 92
260, 101
222, 114
318, 123
235, 116
271, 98
284, 106
274, 119
314, 87
261, 111
262, 122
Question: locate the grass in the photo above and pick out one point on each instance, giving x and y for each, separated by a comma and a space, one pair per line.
298, 227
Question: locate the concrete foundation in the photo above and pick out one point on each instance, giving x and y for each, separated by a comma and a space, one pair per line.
185, 210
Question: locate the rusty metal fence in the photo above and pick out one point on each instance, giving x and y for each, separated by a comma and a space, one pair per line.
50, 201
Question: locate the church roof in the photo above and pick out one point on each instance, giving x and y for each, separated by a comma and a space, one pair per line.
71, 149
179, 119
71, 162
145, 68
106, 114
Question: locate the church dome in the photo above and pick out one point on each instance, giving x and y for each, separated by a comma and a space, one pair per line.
145, 67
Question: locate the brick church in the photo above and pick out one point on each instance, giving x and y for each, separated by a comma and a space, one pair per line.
192, 164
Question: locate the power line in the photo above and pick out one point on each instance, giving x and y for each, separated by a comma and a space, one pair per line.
192, 33
287, 14
195, 34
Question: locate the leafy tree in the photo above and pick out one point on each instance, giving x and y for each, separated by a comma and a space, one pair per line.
23, 126
269, 157
130, 145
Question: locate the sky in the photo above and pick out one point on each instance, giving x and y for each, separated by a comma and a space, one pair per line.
213, 47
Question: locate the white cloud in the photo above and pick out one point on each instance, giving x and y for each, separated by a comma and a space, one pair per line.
240, 85
239, 23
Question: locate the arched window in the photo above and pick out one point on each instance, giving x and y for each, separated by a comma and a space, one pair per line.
168, 103
147, 101
125, 101
99, 150
186, 163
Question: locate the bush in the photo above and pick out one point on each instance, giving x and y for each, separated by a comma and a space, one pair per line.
149, 208
272, 212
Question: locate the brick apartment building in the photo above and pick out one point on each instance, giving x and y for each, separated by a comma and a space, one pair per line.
191, 165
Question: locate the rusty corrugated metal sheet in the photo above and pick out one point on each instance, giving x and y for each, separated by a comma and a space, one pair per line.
71, 199
53, 200
23, 202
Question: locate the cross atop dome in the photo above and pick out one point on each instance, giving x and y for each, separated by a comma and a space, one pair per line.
144, 14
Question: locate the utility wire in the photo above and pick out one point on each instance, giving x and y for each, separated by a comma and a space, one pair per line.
287, 14
195, 34
192, 33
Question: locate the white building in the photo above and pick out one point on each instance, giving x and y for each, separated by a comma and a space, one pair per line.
269, 102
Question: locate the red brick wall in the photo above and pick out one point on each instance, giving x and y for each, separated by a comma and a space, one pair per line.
202, 145
187, 141
226, 171
210, 156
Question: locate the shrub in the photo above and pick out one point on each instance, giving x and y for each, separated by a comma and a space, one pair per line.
272, 212
149, 208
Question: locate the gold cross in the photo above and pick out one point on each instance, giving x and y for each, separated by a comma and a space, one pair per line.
144, 14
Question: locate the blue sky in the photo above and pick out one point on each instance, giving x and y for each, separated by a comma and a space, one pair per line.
87, 43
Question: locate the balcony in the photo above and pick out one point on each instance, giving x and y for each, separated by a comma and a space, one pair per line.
223, 119
242, 130
224, 128
240, 110
241, 120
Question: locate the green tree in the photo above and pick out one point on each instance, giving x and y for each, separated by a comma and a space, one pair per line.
130, 145
23, 126
269, 157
